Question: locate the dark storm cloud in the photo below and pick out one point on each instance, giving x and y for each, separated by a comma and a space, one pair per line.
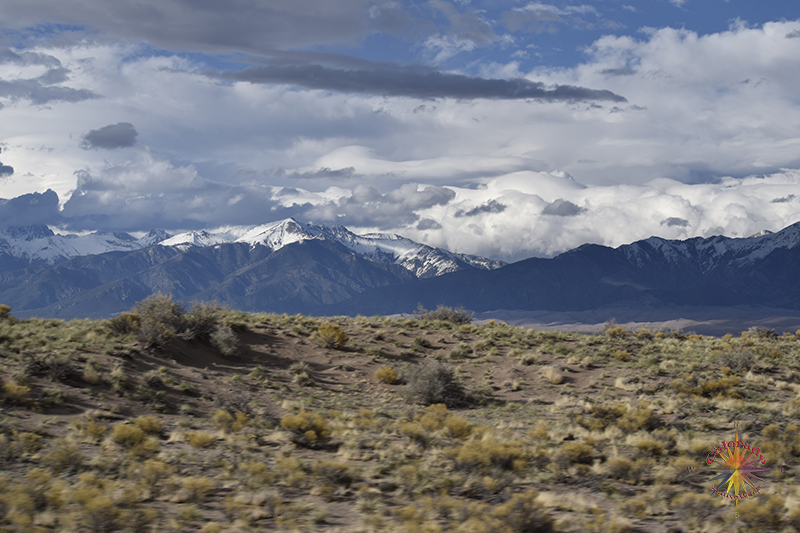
235, 25
428, 223
5, 170
120, 135
492, 206
28, 209
784, 199
39, 94
40, 90
625, 71
411, 81
674, 221
562, 208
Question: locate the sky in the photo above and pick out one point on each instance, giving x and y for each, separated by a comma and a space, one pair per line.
502, 128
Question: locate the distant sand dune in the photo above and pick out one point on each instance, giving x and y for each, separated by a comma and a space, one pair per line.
715, 321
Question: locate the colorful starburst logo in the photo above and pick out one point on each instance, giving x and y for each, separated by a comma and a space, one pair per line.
738, 464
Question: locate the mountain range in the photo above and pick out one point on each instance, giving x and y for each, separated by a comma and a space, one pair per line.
288, 266
284, 266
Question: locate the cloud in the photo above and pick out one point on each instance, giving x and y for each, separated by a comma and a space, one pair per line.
5, 170
237, 25
624, 71
492, 206
674, 221
783, 200
150, 192
794, 34
368, 207
43, 88
610, 215
531, 214
120, 135
428, 223
414, 82
561, 208
29, 209
537, 17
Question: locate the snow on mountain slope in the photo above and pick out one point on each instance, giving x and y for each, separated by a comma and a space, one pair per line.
423, 260
710, 252
39, 243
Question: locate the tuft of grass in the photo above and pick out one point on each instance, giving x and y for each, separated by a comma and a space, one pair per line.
552, 375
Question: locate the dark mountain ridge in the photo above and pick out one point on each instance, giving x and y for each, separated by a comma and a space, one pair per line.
327, 277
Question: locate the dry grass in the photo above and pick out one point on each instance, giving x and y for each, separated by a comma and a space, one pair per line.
101, 431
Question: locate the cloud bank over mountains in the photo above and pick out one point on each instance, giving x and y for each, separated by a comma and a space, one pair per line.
167, 114
508, 217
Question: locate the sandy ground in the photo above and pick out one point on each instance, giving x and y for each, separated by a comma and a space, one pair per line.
715, 321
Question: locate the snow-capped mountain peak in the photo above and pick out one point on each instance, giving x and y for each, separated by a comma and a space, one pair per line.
709, 252
41, 244
423, 260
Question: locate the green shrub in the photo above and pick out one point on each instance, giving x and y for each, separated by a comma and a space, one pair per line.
225, 340
331, 336
445, 314
124, 324
160, 319
737, 359
65, 456
432, 383
334, 472
522, 514
202, 320
5, 313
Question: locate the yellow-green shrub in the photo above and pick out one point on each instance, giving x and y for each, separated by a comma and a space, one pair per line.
222, 420
522, 513
578, 452
124, 323
488, 453
90, 429
255, 475
200, 439
388, 375
331, 336
16, 393
127, 435
621, 355
197, 487
149, 424
308, 428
